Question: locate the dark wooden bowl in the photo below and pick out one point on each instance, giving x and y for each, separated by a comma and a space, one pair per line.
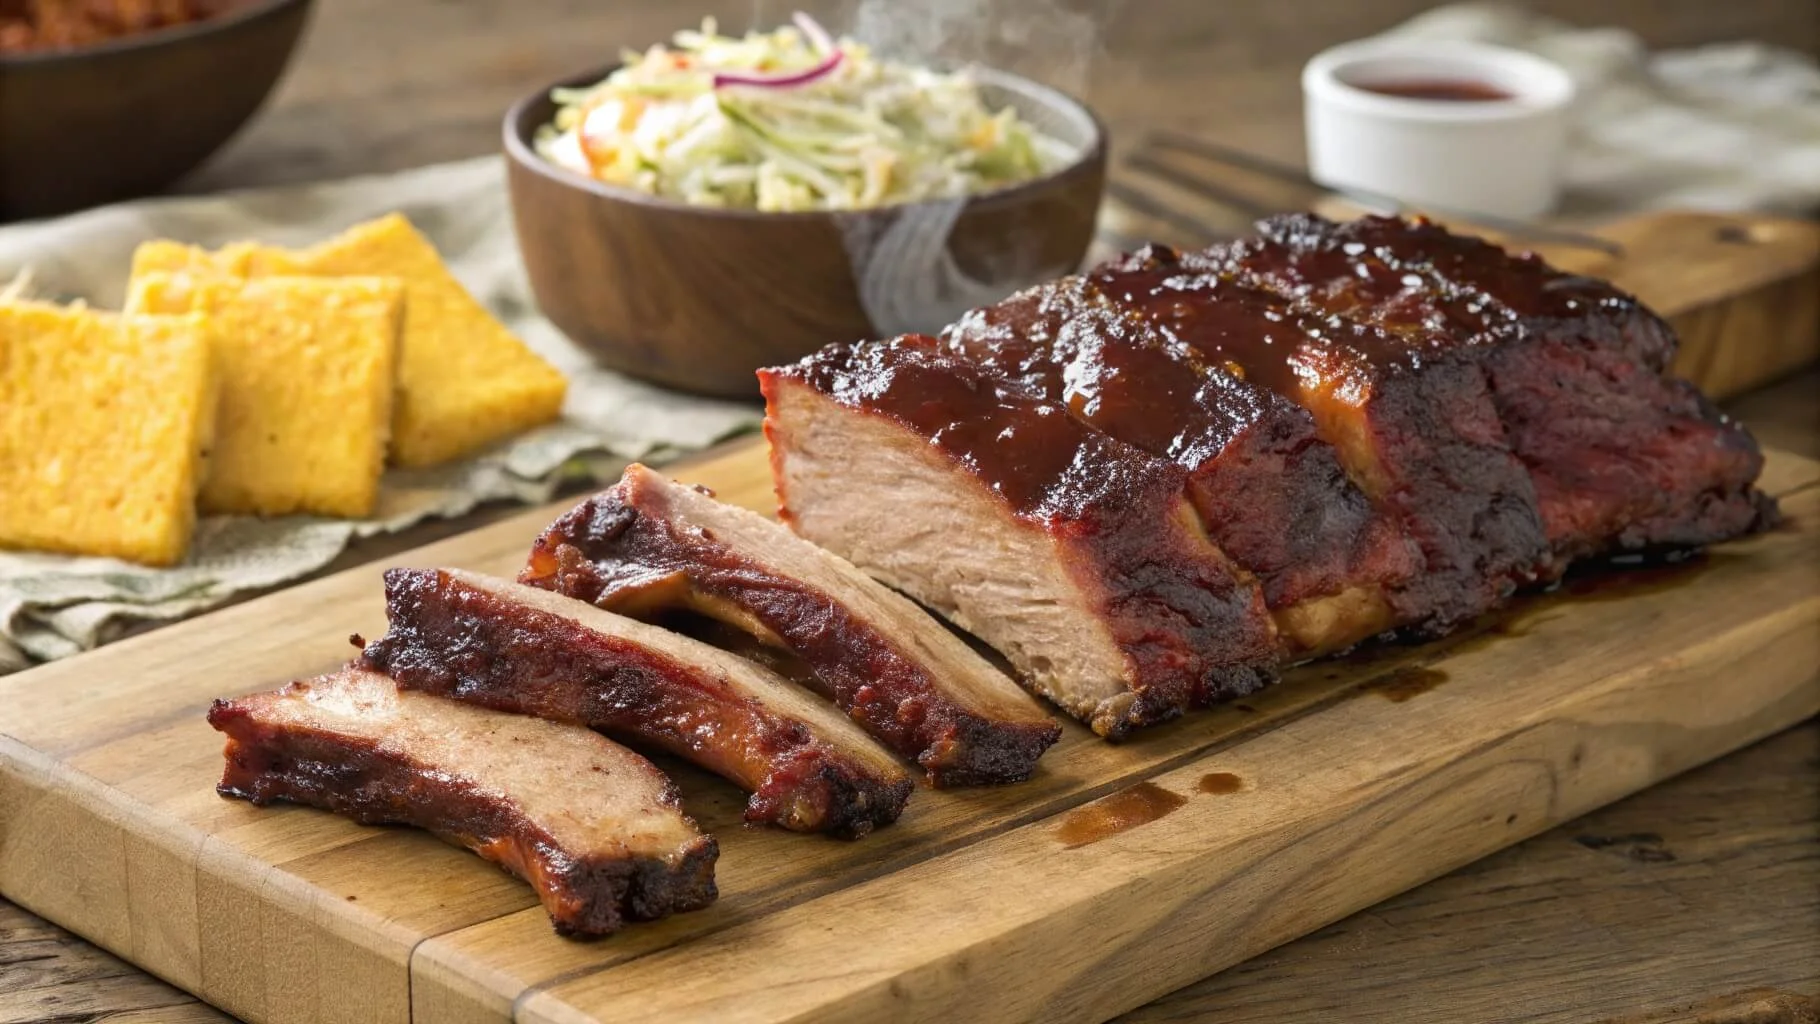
697, 298
127, 117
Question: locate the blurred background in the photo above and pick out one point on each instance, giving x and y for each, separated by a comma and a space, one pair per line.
384, 86
1682, 87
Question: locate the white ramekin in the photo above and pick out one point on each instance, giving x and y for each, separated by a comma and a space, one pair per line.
1499, 157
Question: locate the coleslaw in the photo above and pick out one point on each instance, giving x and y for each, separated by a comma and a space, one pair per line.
790, 120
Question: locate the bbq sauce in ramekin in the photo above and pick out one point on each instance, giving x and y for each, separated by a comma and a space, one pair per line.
1443, 89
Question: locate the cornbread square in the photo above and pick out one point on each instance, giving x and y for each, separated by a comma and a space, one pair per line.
162, 256
103, 422
464, 380
307, 368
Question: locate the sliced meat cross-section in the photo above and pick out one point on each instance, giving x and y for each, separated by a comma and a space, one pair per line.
595, 829
1074, 555
650, 546
1270, 492
516, 648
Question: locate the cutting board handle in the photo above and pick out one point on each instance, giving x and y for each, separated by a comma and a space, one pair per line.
1742, 290
1678, 262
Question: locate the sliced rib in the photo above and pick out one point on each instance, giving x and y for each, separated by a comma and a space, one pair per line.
596, 830
1622, 456
1418, 435
1271, 494
1072, 554
517, 648
651, 546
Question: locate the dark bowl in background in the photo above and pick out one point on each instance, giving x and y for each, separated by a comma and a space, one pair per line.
127, 117
698, 298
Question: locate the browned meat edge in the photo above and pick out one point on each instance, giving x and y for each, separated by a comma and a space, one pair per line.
1192, 631
624, 551
1623, 457
456, 641
584, 895
1271, 494
1416, 432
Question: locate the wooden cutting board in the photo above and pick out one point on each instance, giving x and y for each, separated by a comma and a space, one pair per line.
1117, 874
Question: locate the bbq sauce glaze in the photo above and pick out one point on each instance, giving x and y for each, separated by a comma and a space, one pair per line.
453, 639
1254, 335
1192, 631
1273, 498
1446, 90
1027, 450
1117, 371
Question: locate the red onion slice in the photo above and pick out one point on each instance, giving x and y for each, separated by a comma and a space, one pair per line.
817, 36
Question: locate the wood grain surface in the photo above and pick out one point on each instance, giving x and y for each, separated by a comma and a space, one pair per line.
1407, 762
1709, 879
1719, 867
1440, 952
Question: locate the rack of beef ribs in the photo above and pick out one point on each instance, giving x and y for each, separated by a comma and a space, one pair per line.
1622, 456
1269, 491
518, 648
650, 547
600, 840
1416, 433
1071, 553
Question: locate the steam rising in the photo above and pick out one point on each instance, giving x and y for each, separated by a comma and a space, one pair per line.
1052, 41
1049, 40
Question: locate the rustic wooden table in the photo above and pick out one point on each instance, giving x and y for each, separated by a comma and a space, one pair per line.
1698, 900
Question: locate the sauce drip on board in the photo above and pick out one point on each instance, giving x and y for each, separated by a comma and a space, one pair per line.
1409, 682
1221, 783
1110, 815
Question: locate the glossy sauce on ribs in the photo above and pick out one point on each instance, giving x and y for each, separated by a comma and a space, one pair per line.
1416, 433
1622, 456
1270, 493
1416, 418
1073, 554
649, 546
596, 830
517, 648
1468, 290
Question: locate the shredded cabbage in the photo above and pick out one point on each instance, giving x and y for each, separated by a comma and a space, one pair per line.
861, 134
